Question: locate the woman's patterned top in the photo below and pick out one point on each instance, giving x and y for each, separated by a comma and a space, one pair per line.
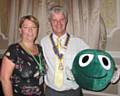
26, 78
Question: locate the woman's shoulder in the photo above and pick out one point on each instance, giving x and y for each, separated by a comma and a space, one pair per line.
11, 52
13, 46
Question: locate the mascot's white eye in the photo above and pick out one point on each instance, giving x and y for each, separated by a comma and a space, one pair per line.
85, 59
105, 61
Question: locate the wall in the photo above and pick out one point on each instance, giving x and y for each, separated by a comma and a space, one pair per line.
109, 11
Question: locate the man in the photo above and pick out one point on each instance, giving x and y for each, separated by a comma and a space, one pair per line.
59, 50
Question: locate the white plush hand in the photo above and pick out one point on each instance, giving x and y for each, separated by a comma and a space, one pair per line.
116, 75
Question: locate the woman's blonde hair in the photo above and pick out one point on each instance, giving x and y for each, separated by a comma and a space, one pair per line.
31, 18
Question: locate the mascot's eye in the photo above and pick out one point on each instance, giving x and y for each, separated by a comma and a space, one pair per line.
105, 61
85, 59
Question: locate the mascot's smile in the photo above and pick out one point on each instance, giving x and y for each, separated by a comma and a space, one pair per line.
93, 69
93, 76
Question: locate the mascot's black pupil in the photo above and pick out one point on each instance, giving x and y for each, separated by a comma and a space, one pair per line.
105, 61
85, 59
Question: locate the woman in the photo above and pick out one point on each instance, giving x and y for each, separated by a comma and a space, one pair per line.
23, 63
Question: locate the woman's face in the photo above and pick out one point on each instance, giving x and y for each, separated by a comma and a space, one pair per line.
28, 31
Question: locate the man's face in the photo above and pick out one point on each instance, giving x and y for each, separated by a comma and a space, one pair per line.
58, 23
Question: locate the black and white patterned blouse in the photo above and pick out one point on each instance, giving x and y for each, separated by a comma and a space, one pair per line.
26, 78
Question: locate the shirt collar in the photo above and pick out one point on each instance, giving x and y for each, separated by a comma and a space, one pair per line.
62, 38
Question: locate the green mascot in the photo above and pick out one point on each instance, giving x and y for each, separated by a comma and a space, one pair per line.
93, 69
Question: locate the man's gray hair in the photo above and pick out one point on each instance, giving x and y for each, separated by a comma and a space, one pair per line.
57, 9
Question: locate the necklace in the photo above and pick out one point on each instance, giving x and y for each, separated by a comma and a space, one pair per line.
56, 51
38, 62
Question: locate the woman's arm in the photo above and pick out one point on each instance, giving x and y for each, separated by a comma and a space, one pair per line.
6, 72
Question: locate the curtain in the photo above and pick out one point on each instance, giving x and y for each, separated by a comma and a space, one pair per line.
13, 27
83, 18
20, 8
